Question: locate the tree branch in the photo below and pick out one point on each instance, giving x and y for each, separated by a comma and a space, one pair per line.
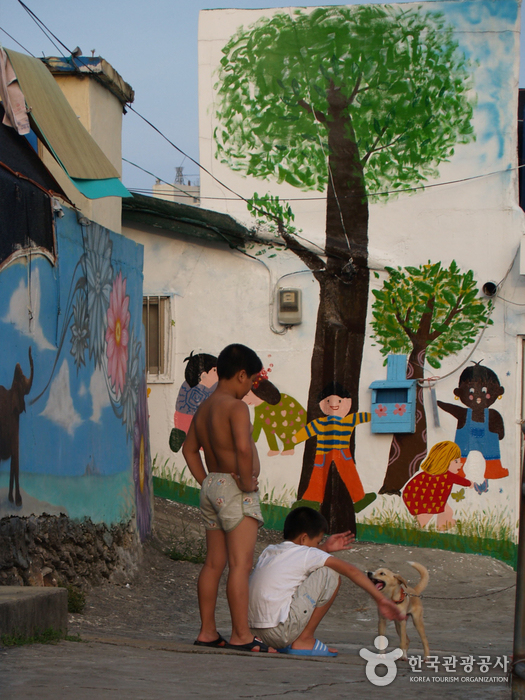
308, 107
453, 312
381, 148
311, 260
355, 90
404, 324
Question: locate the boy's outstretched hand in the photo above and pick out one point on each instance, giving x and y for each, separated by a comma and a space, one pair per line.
387, 608
338, 542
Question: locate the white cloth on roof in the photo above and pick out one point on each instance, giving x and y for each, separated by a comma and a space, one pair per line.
12, 97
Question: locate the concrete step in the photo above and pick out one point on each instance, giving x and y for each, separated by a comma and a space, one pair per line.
26, 610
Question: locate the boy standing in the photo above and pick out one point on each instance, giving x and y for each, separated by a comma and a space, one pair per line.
294, 584
229, 499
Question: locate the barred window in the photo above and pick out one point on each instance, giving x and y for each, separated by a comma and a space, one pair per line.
157, 319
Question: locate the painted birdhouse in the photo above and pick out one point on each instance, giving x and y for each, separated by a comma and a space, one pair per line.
394, 399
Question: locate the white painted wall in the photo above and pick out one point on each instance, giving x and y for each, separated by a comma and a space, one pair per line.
220, 296
476, 222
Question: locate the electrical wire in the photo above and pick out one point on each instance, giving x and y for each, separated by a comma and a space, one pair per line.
141, 190
179, 189
17, 42
508, 301
44, 29
434, 379
384, 192
237, 195
222, 184
272, 288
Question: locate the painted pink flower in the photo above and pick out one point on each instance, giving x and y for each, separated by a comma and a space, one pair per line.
400, 409
117, 334
381, 411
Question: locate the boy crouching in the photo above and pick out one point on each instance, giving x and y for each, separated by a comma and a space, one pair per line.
294, 584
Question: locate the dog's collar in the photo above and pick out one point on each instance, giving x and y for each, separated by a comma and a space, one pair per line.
402, 598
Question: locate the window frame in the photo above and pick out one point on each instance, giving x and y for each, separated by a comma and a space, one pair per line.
164, 340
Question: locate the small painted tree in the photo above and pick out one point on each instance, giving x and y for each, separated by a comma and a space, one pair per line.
426, 312
352, 101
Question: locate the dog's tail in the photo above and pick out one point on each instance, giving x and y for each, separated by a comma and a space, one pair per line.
423, 572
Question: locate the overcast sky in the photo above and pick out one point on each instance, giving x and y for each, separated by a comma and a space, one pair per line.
153, 45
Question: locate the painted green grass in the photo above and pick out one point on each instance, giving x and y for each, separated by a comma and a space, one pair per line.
183, 479
283, 498
489, 532
491, 524
167, 470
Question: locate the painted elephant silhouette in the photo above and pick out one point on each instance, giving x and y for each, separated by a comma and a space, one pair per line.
12, 404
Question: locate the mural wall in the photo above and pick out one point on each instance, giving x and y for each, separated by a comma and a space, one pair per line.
376, 147
73, 412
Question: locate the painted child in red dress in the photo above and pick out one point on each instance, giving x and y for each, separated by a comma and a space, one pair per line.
427, 493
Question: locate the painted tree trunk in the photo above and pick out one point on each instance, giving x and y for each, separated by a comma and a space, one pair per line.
337, 506
344, 283
408, 450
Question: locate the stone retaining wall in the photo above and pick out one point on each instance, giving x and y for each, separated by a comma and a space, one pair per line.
54, 550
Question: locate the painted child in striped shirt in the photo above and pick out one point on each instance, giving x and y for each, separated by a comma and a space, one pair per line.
333, 432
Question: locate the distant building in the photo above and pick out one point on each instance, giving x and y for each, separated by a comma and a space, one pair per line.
182, 191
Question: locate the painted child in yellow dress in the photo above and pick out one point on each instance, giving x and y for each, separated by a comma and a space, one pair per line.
333, 433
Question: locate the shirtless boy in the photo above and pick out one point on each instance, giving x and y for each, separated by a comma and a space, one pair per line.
229, 499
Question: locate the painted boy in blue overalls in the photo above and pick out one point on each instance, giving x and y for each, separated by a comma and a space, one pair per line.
479, 427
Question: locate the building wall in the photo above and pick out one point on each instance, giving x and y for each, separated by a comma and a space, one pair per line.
436, 233
83, 435
219, 296
178, 192
100, 112
447, 214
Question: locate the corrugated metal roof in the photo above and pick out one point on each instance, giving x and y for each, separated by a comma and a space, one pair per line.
56, 122
186, 220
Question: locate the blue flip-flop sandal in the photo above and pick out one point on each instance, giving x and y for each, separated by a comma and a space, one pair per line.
319, 649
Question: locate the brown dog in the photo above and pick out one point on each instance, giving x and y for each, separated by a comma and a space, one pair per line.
394, 587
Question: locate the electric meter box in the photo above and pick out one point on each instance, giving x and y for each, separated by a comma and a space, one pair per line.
394, 399
289, 307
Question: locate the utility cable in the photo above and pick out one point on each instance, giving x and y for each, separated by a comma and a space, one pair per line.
179, 189
237, 195
44, 29
185, 154
17, 42
440, 378
384, 192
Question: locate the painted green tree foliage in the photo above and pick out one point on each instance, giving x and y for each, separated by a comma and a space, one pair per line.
355, 101
428, 313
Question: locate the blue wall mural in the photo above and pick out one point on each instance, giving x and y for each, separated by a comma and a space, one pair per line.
83, 438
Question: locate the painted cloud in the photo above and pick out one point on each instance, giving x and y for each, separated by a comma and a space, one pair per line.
99, 394
24, 311
59, 407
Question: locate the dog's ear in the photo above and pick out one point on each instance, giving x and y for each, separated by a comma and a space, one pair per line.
401, 580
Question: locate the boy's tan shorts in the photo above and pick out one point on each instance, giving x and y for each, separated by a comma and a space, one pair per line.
224, 505
316, 590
